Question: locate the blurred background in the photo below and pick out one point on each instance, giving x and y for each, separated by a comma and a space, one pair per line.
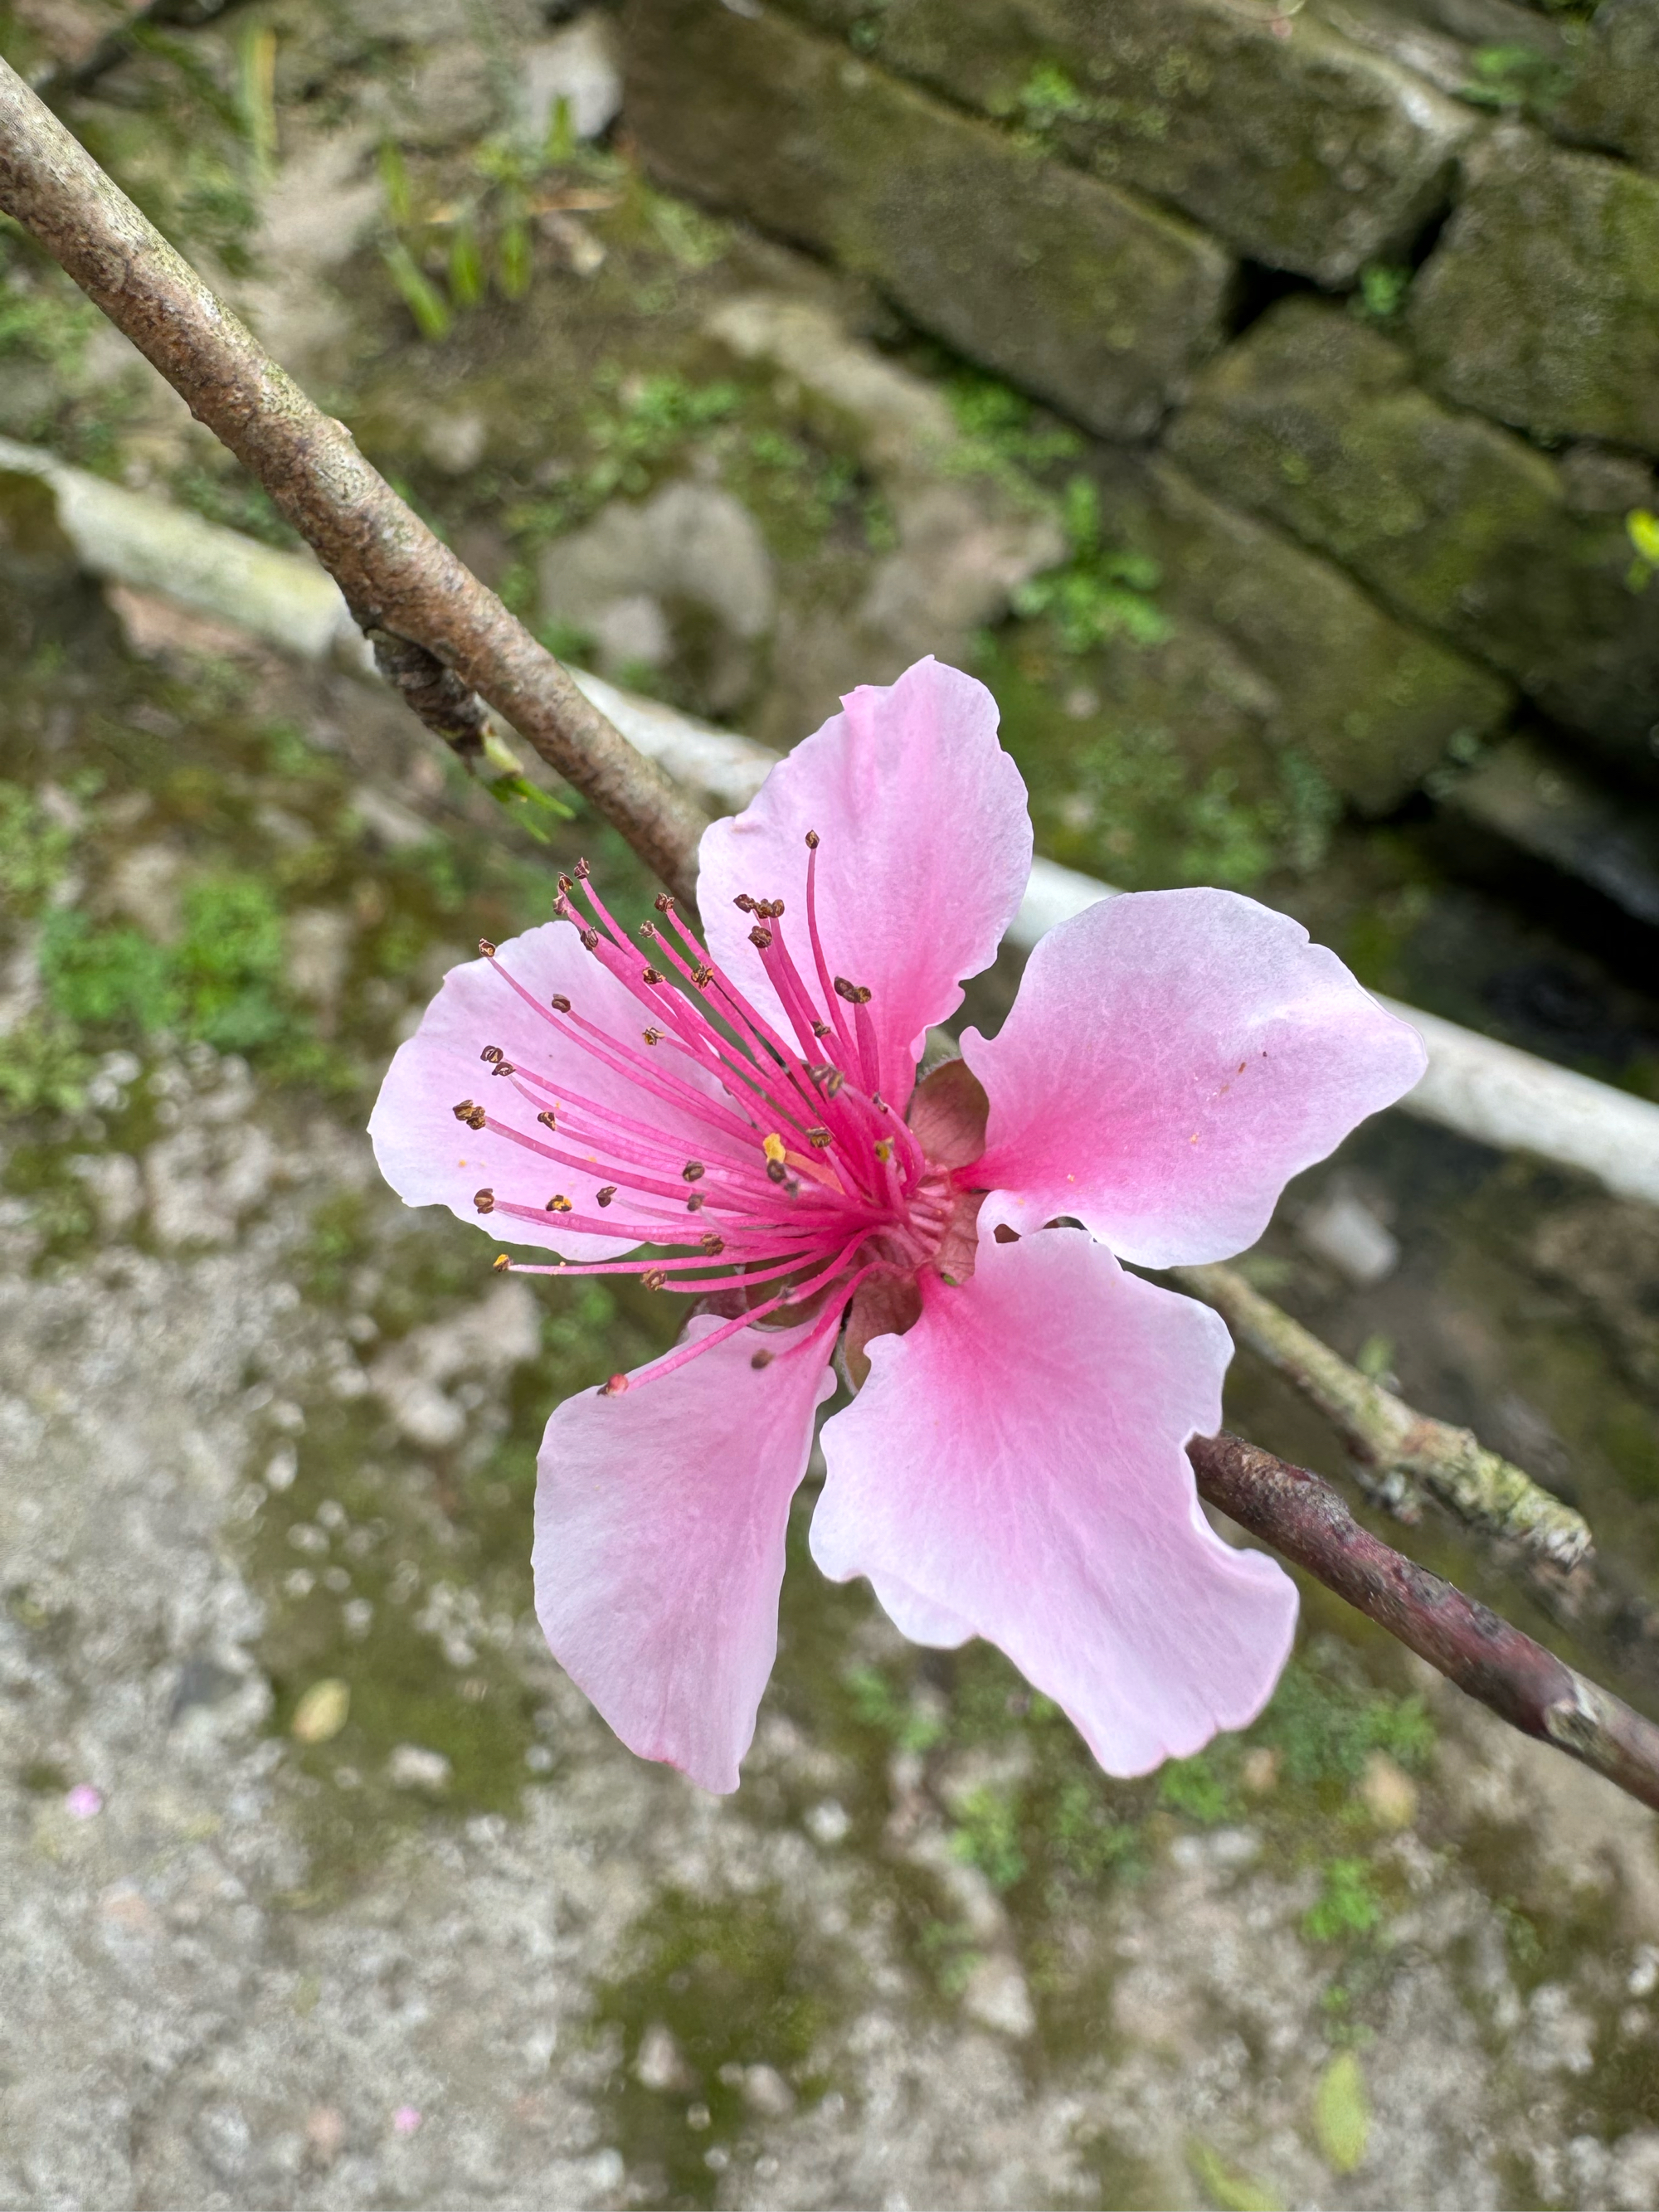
1263, 401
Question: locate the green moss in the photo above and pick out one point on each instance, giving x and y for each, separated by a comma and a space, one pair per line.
736, 1982
33, 851
985, 1834
1348, 1906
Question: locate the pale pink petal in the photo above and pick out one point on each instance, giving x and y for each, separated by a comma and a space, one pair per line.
919, 1618
1172, 1059
926, 845
659, 1534
1015, 1462
430, 1159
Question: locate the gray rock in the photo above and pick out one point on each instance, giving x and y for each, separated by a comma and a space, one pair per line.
578, 65
624, 578
1313, 420
1541, 304
1614, 101
1088, 297
1303, 150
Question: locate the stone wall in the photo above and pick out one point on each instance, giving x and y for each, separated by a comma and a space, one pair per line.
1366, 296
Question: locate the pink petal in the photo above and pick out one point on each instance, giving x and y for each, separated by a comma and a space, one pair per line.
660, 1528
430, 1159
1015, 1465
926, 848
1172, 1059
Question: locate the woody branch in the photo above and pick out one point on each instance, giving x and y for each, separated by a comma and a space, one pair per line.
447, 643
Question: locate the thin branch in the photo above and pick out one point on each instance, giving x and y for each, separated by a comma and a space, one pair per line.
442, 637
396, 576
1307, 1520
1394, 1444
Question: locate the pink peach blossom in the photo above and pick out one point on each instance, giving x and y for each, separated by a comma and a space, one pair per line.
1013, 1465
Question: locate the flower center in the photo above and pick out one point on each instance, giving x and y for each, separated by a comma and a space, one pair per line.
804, 1182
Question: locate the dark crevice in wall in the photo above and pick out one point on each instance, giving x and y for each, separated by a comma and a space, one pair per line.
1257, 289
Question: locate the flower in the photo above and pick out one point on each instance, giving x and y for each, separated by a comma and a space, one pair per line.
1013, 1465
84, 1801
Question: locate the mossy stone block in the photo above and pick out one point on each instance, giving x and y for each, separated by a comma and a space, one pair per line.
1313, 422
1613, 101
1370, 701
1297, 145
1541, 304
1065, 286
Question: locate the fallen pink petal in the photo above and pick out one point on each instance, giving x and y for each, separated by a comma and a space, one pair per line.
84, 1801
406, 2120
746, 1104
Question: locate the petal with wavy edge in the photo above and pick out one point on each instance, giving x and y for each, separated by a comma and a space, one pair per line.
1016, 1463
925, 849
659, 1540
430, 1159
1172, 1059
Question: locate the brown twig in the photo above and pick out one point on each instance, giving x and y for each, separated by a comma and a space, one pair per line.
396, 576
442, 637
1397, 1448
1307, 1520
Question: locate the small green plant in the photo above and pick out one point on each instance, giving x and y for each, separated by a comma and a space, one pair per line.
1347, 1905
33, 851
1087, 1840
986, 1836
1048, 96
1642, 528
1511, 76
1324, 1730
877, 1705
1101, 592
1382, 288
1195, 1788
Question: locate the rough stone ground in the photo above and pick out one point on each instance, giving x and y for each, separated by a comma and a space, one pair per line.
265, 1438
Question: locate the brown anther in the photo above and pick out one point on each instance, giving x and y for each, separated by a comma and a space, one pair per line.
559, 1003
649, 930
559, 1203
711, 1245
820, 1029
649, 976
776, 1172
1004, 1235
856, 994
703, 977
777, 909
694, 1171
812, 840
878, 1102
654, 1278
833, 1082
651, 1036
696, 1203
604, 1197
548, 1118
486, 948
583, 872
501, 1263
884, 1148
615, 1387
490, 1052
760, 938
464, 1111
476, 1118
744, 903
762, 1359
819, 1137
591, 940
664, 902
485, 1200
566, 885
503, 1067
561, 909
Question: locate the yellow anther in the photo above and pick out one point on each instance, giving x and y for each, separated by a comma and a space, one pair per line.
773, 1147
